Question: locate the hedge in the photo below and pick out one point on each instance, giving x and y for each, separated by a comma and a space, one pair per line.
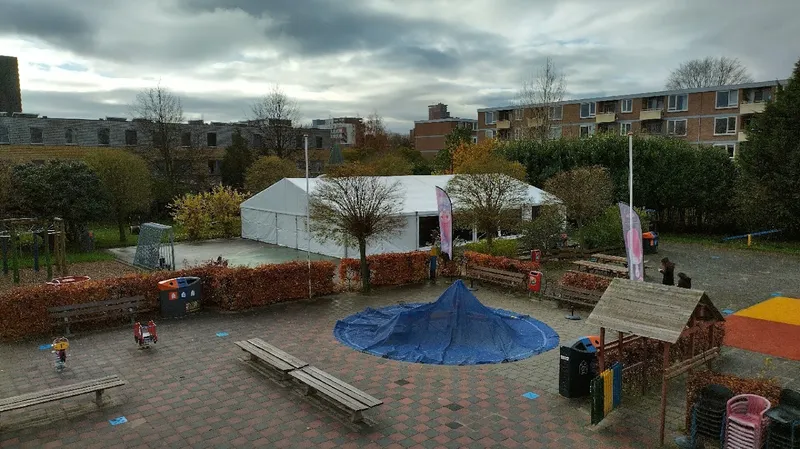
586, 281
500, 263
25, 308
387, 269
768, 388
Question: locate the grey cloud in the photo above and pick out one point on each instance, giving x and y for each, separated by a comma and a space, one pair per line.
52, 22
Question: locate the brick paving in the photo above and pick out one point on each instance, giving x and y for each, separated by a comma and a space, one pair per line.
190, 390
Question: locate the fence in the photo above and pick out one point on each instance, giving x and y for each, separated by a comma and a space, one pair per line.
606, 392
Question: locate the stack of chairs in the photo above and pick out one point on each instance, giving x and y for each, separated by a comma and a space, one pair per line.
746, 422
784, 422
708, 414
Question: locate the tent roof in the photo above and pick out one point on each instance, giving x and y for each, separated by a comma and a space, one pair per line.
419, 191
656, 311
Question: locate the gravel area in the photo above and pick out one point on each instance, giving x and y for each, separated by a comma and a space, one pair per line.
95, 270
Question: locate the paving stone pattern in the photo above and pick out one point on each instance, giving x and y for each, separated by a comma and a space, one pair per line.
190, 389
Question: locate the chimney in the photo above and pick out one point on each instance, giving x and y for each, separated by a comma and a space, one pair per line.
438, 111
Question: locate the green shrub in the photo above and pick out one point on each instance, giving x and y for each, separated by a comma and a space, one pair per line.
606, 230
544, 231
500, 247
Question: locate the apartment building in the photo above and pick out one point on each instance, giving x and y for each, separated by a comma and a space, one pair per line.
428, 136
711, 116
348, 132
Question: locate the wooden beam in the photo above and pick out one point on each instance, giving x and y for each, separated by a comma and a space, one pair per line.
689, 364
664, 394
621, 341
601, 355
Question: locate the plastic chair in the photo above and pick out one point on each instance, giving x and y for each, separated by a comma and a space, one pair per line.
746, 421
784, 422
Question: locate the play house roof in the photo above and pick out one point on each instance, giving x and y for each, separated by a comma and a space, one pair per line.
656, 311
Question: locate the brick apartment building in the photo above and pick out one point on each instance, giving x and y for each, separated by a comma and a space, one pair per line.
712, 115
348, 132
28, 137
428, 136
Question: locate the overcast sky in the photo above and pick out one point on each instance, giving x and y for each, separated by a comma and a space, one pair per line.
88, 58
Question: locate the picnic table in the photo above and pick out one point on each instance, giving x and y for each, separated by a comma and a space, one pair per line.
606, 258
602, 268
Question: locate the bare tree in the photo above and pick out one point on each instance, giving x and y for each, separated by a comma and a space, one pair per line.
539, 94
376, 137
586, 192
360, 208
275, 115
488, 201
159, 114
708, 72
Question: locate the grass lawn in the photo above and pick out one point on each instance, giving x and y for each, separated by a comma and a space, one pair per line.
764, 244
26, 260
106, 235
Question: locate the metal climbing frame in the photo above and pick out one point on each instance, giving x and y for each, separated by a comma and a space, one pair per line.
156, 247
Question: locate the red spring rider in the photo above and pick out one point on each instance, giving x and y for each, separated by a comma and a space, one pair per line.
145, 335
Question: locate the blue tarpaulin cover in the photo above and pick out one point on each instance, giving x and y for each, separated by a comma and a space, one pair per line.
456, 329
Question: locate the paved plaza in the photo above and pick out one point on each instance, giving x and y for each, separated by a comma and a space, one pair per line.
190, 390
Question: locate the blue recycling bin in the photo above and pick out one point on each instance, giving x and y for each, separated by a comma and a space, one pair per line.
180, 296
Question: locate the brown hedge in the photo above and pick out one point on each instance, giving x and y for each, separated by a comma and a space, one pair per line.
768, 388
24, 309
387, 269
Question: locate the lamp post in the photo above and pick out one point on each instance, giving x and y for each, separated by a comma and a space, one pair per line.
630, 179
308, 217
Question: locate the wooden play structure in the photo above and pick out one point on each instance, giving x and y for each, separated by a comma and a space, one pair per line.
662, 313
43, 235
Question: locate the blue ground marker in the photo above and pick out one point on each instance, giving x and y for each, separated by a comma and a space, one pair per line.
530, 395
222, 334
774, 294
118, 421
715, 257
45, 347
727, 311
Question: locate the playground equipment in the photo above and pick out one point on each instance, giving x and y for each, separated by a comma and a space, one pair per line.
145, 335
750, 236
43, 234
60, 346
156, 247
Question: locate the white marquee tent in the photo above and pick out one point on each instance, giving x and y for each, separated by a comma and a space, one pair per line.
277, 215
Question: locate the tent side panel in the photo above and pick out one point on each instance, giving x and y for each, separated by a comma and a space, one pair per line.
258, 225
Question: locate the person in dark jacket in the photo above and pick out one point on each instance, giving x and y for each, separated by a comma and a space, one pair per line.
668, 270
684, 281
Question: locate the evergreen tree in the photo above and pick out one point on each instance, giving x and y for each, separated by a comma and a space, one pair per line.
770, 163
236, 161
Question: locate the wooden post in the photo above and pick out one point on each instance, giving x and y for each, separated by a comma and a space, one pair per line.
710, 342
664, 393
47, 259
601, 353
14, 254
691, 348
620, 336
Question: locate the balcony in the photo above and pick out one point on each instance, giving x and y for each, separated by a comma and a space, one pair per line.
606, 117
651, 114
534, 122
752, 108
742, 136
503, 124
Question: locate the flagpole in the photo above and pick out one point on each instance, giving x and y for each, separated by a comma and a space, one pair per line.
630, 179
308, 217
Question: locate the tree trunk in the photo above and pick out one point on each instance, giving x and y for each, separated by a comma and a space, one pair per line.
121, 226
362, 250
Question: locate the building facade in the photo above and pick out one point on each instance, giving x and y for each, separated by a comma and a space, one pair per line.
348, 132
710, 116
10, 93
428, 136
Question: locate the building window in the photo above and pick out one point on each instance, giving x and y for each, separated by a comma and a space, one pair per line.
489, 117
258, 141
36, 135
211, 139
587, 130
489, 134
214, 167
588, 110
676, 127
517, 133
474, 139
624, 128
757, 95
653, 103
652, 127
130, 137
518, 114
555, 132
729, 147
626, 106
474, 126
186, 139
103, 136
727, 99
319, 142
724, 126
678, 103
69, 136
4, 135
556, 112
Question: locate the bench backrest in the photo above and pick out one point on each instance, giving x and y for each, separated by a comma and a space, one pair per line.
495, 271
132, 302
577, 292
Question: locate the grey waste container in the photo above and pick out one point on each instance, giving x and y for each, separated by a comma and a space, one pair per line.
180, 296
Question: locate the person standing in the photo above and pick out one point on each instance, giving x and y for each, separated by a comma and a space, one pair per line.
684, 281
434, 256
668, 270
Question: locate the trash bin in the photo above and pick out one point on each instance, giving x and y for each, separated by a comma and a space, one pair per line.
650, 242
577, 367
179, 296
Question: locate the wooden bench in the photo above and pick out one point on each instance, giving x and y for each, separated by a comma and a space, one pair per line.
261, 351
77, 313
502, 277
605, 258
575, 296
602, 268
67, 391
344, 394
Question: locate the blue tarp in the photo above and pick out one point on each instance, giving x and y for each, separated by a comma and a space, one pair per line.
456, 329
